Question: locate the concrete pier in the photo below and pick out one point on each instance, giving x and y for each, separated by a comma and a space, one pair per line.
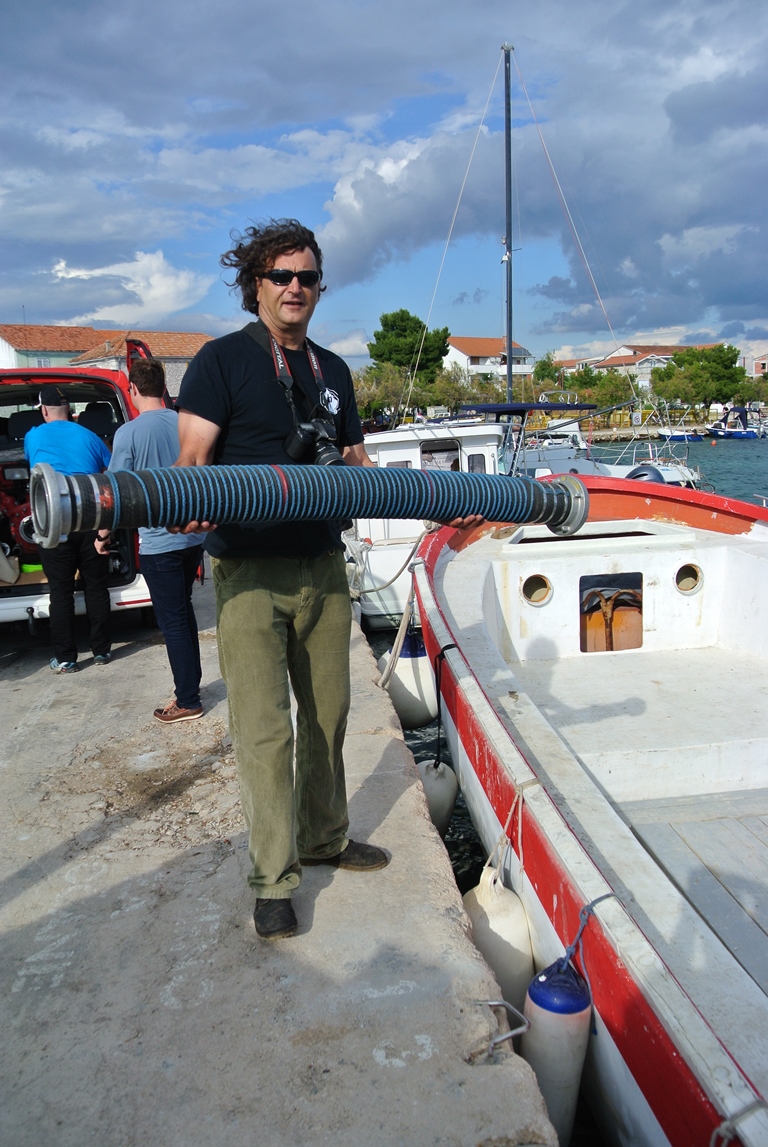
138, 1005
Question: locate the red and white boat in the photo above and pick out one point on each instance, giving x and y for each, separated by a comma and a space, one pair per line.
605, 697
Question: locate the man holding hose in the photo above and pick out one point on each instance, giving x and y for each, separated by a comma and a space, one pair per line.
266, 394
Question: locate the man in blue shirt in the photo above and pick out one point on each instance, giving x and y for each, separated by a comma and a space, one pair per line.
71, 449
169, 562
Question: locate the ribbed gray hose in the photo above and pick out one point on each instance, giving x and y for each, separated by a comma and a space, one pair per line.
63, 503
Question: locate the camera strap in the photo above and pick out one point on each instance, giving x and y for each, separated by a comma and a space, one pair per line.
264, 337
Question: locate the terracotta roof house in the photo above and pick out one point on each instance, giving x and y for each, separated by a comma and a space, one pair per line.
29, 345
488, 356
761, 365
173, 348
640, 360
32, 345
572, 365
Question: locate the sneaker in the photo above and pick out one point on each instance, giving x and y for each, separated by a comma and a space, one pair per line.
102, 658
275, 919
171, 712
63, 666
356, 857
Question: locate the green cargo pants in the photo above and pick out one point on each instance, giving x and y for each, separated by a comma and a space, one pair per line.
282, 619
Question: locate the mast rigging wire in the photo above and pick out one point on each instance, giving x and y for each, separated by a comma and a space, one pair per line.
566, 209
448, 241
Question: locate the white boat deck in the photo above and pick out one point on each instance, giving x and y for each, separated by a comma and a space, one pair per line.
715, 849
704, 748
701, 717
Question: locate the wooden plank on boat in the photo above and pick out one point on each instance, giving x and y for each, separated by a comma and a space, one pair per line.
709, 806
738, 931
758, 825
737, 858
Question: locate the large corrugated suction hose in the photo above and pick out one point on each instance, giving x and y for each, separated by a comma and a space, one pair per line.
64, 503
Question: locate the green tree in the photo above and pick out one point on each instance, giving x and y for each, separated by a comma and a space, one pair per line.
487, 388
701, 374
603, 387
451, 388
546, 370
379, 388
454, 387
399, 340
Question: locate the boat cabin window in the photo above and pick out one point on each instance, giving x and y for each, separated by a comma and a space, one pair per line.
440, 455
611, 612
403, 463
476, 463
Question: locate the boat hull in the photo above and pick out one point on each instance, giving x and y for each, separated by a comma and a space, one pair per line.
736, 434
657, 1072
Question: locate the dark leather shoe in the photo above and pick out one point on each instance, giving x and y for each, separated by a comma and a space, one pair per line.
356, 857
275, 919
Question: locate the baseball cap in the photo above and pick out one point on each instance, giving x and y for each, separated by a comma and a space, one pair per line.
52, 396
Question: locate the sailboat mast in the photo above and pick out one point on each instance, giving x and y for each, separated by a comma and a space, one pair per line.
507, 49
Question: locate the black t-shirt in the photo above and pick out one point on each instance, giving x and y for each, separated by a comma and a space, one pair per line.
232, 382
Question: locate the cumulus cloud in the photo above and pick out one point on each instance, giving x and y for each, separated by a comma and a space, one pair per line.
153, 289
655, 117
692, 244
351, 345
400, 198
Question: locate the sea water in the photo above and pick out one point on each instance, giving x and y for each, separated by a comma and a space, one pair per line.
736, 468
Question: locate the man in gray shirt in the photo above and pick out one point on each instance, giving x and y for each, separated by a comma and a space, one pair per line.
169, 562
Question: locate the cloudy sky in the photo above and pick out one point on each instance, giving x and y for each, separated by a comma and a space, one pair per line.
135, 136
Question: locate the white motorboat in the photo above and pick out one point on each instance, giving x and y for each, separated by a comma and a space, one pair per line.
379, 550
604, 697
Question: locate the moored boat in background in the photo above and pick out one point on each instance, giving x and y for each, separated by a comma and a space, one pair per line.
379, 551
738, 423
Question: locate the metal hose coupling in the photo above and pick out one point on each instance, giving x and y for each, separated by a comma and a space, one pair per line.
73, 503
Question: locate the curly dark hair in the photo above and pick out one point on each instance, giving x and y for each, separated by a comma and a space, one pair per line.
255, 252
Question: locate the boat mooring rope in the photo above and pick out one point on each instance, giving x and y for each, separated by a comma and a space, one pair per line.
65, 503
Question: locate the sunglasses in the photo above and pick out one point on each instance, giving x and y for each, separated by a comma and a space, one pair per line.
282, 278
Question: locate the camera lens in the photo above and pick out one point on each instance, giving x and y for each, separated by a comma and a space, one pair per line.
326, 454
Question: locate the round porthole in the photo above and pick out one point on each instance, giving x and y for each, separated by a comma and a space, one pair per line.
537, 589
689, 578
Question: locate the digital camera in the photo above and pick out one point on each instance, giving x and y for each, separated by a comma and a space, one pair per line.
313, 441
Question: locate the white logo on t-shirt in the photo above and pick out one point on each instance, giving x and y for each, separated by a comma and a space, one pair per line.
330, 400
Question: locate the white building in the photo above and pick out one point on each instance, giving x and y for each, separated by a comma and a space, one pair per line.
641, 360
488, 356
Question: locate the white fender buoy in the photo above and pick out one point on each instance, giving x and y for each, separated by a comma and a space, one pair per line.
441, 789
500, 931
559, 1009
412, 684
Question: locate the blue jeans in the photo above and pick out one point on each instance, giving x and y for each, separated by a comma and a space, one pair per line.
170, 577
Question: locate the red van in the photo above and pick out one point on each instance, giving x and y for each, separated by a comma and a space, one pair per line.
99, 400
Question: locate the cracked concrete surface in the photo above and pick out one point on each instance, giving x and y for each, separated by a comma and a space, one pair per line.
139, 1007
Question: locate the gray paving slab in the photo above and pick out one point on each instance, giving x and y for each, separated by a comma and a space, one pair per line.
138, 1005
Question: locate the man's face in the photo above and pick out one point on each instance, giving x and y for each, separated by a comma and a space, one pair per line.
286, 311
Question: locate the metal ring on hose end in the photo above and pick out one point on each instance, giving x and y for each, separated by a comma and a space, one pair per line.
579, 511
49, 497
